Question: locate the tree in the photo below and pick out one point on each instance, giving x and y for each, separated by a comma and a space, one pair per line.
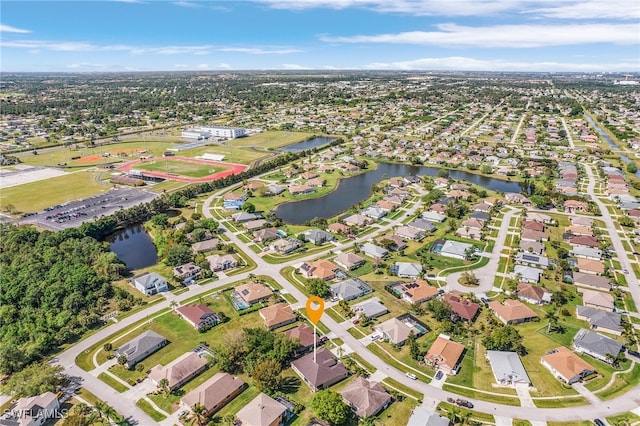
329, 406
178, 255
229, 419
318, 287
33, 380
163, 384
632, 168
414, 349
161, 220
122, 360
248, 207
505, 338
469, 279
199, 413
107, 347
267, 376
440, 309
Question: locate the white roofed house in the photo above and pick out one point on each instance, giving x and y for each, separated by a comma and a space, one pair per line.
218, 262
407, 269
455, 249
374, 251
507, 368
527, 274
349, 260
150, 283
410, 233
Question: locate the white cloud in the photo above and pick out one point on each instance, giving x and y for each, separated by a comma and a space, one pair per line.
470, 64
224, 66
563, 9
516, 36
9, 29
86, 65
187, 4
294, 67
259, 51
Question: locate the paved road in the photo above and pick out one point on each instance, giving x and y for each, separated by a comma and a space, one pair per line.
621, 404
487, 273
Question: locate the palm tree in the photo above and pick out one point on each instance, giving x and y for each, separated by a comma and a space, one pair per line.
100, 407
229, 419
173, 305
164, 386
199, 413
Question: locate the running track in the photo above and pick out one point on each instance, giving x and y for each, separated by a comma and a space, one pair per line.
230, 169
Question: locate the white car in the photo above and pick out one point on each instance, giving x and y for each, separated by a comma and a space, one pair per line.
411, 376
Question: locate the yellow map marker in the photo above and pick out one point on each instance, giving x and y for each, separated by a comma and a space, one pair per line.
314, 312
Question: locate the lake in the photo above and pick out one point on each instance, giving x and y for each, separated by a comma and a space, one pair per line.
308, 144
355, 189
134, 247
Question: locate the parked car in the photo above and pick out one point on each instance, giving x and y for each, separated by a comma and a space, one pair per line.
464, 403
626, 271
451, 400
411, 376
634, 353
439, 375
599, 422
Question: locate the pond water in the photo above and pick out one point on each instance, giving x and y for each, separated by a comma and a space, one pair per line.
308, 144
134, 247
355, 189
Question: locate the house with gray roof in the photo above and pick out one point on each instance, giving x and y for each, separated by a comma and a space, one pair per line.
374, 212
586, 252
432, 216
423, 417
423, 225
597, 282
138, 348
350, 289
374, 251
407, 269
455, 249
480, 216
317, 236
527, 273
371, 308
365, 398
321, 372
150, 283
596, 345
507, 368
531, 259
608, 322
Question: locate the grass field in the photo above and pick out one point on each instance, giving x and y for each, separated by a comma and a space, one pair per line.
268, 140
35, 196
184, 168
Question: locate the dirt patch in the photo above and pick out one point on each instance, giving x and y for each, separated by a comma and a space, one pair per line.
89, 159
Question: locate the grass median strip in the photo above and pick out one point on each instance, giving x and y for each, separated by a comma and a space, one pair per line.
112, 382
147, 408
392, 383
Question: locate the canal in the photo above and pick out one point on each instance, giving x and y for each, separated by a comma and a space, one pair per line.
134, 247
355, 189
308, 144
610, 141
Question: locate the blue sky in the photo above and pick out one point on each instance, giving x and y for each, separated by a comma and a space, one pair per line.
152, 35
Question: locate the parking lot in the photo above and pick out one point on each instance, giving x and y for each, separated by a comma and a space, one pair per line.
74, 213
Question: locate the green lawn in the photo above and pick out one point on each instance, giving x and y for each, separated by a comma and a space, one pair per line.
394, 384
183, 168
147, 408
112, 382
35, 196
560, 402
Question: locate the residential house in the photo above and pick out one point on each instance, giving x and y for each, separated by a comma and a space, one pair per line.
33, 411
597, 299
349, 260
530, 235
407, 269
179, 371
242, 217
397, 330
221, 262
204, 246
277, 315
514, 197
586, 252
317, 236
187, 272
579, 230
597, 282
432, 216
304, 334
321, 268
423, 225
301, 189
533, 225
410, 233
370, 308
215, 393
596, 345
539, 217
254, 225
253, 292
366, 398
507, 368
461, 308
445, 355
374, 251
527, 274
200, 316
455, 249
574, 206
423, 417
140, 347
373, 212
417, 291
608, 322
533, 294
584, 241
512, 312
531, 259
266, 234
285, 245
262, 411
533, 247
321, 370
150, 283
590, 266
350, 289
338, 228
566, 365
357, 220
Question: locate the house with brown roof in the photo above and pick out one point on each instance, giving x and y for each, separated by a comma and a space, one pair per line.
215, 393
179, 371
221, 262
262, 411
566, 365
325, 371
397, 330
199, 316
321, 268
366, 398
462, 308
573, 206
533, 294
349, 260
417, 291
206, 245
253, 292
533, 225
597, 299
597, 282
579, 230
187, 272
512, 311
590, 266
530, 235
304, 335
445, 354
338, 228
277, 315
584, 241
